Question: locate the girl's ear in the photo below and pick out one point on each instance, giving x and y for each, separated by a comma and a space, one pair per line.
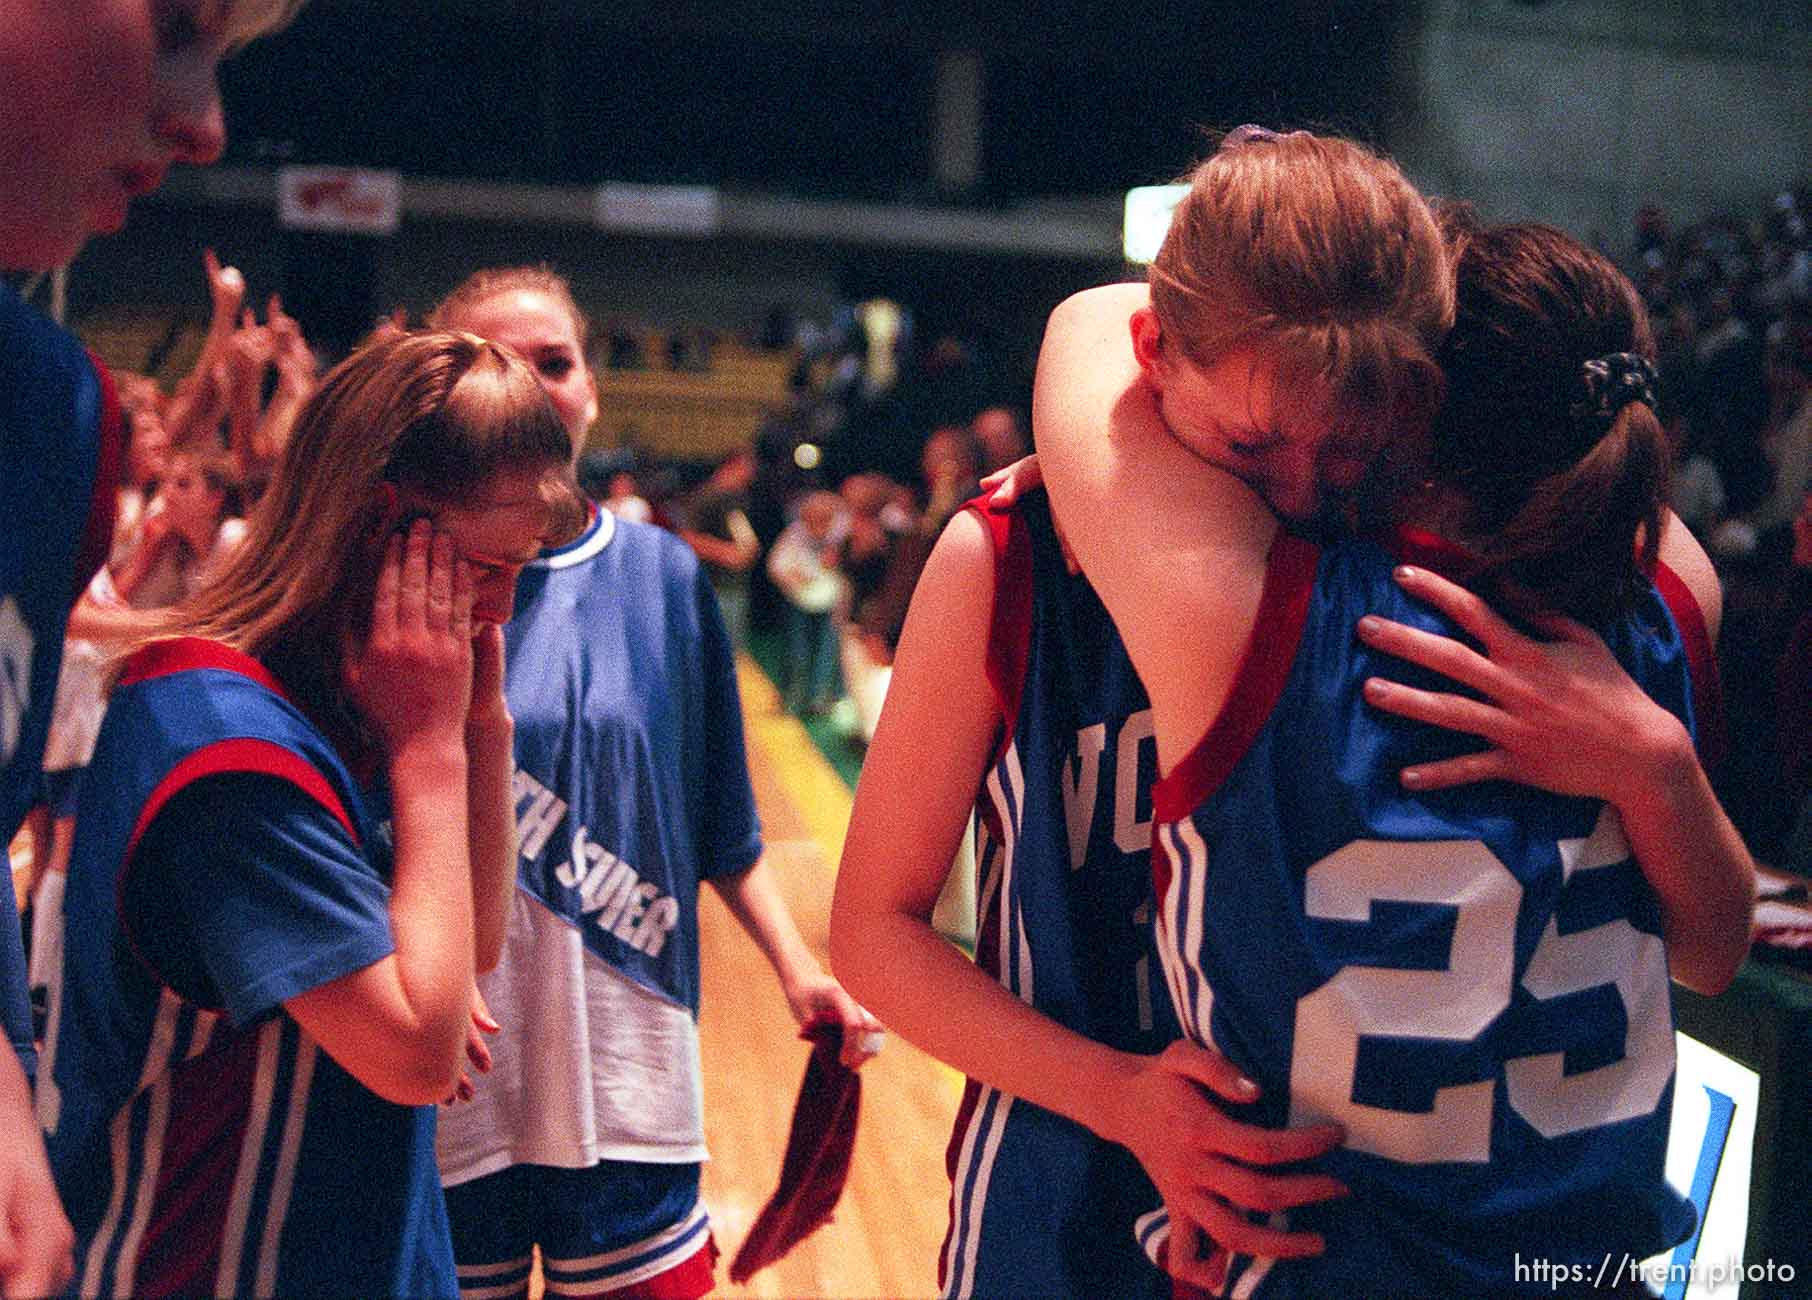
1147, 341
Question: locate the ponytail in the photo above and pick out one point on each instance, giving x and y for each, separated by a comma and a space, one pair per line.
1585, 540
1549, 429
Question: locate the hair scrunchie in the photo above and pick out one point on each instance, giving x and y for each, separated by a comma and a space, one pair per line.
1612, 383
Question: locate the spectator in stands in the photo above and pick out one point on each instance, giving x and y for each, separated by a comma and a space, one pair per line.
202, 396
948, 477
1001, 437
803, 564
189, 530
623, 497
715, 524
876, 522
1724, 294
1787, 435
258, 428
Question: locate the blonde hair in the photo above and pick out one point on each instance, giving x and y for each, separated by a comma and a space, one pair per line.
244, 21
482, 285
436, 411
1321, 252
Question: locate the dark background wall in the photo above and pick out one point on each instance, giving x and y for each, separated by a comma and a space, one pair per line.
813, 98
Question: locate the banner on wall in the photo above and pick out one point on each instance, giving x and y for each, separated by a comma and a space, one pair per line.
658, 209
343, 200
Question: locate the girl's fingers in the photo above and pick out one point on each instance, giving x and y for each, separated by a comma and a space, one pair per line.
1562, 628
412, 592
1431, 650
1468, 769
462, 600
1251, 1144
1252, 1189
1191, 1258
1210, 1069
441, 564
384, 620
1452, 712
1453, 600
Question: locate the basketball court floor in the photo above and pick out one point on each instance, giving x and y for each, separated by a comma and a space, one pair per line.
887, 1230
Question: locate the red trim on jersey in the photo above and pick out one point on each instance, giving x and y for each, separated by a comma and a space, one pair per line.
953, 1152
1432, 551
1264, 667
1702, 661
692, 1277
109, 469
210, 1109
182, 654
241, 754
237, 754
1010, 625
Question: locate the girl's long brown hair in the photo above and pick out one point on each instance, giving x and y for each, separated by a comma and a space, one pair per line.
1566, 507
436, 411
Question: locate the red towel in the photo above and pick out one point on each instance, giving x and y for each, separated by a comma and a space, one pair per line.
817, 1155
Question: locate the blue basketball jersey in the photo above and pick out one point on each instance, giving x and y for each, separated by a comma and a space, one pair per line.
1039, 1205
62, 447
632, 787
632, 784
203, 1143
1471, 981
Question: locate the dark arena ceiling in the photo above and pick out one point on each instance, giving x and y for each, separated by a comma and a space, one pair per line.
807, 97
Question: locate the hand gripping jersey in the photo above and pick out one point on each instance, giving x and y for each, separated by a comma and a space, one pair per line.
1039, 1205
207, 1146
1472, 981
61, 451
631, 786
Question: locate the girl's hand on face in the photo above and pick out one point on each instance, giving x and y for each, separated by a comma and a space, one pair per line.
490, 711
411, 680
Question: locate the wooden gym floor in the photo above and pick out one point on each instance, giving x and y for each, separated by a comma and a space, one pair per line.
888, 1229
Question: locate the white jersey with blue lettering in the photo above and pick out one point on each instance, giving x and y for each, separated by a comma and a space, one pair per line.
1471, 981
1039, 1205
631, 787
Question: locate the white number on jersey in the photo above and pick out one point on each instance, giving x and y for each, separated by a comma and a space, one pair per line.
1458, 1003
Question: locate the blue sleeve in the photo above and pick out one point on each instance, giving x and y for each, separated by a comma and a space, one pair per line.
245, 892
15, 1007
729, 830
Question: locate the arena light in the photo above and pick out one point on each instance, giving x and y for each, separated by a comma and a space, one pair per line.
1147, 218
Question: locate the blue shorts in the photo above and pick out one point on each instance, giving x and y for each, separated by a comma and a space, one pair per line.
607, 1228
